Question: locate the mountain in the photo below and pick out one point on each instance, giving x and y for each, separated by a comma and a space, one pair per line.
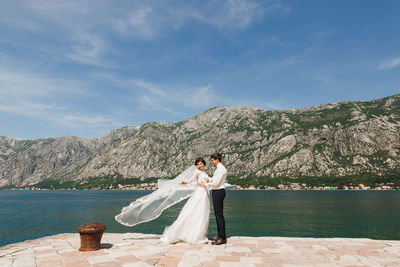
345, 139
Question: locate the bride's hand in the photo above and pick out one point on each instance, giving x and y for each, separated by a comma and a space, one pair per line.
202, 184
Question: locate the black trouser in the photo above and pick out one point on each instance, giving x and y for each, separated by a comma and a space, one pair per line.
218, 197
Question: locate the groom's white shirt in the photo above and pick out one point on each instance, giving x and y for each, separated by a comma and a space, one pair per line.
219, 178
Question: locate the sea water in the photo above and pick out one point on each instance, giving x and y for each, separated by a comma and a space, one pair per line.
356, 214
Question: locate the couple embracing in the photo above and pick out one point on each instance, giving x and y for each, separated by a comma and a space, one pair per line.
192, 223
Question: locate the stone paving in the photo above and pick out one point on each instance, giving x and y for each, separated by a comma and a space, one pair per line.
132, 249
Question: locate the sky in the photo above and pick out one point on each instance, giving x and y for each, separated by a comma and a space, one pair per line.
85, 67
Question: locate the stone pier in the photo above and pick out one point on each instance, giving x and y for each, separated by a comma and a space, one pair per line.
133, 249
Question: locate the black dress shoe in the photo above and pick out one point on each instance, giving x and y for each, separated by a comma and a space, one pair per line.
219, 241
213, 238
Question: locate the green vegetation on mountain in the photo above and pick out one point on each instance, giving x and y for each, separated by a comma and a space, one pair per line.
337, 144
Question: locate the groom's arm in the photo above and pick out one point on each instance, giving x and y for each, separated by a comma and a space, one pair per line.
216, 179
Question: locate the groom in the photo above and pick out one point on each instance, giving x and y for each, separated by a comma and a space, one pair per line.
217, 183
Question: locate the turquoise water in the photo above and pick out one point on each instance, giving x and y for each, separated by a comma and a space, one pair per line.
371, 214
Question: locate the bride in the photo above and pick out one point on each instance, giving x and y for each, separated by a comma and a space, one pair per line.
192, 223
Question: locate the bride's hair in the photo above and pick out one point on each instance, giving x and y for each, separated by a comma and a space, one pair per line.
198, 160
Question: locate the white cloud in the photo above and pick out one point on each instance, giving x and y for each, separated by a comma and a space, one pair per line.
141, 23
174, 98
152, 88
89, 51
154, 103
34, 96
153, 19
83, 27
203, 97
170, 98
50, 112
235, 14
22, 84
179, 99
389, 64
78, 120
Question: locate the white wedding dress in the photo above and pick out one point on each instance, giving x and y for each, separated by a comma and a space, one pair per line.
192, 223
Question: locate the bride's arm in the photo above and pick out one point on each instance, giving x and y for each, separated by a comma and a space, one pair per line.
195, 175
209, 179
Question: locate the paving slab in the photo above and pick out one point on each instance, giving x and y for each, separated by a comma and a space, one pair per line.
135, 249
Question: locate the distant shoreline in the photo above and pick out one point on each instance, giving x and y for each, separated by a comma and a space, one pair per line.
234, 189
149, 186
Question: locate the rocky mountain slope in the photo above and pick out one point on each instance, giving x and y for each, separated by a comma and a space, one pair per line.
336, 140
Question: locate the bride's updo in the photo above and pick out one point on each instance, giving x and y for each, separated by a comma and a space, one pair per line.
200, 159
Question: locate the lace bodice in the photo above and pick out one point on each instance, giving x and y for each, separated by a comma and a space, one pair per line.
203, 177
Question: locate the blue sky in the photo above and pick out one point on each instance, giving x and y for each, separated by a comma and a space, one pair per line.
85, 67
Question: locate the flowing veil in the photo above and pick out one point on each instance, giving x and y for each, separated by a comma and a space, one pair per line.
150, 207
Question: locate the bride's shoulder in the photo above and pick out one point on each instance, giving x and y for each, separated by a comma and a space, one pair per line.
203, 173
197, 171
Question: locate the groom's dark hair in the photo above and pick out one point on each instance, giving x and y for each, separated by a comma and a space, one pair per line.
216, 156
